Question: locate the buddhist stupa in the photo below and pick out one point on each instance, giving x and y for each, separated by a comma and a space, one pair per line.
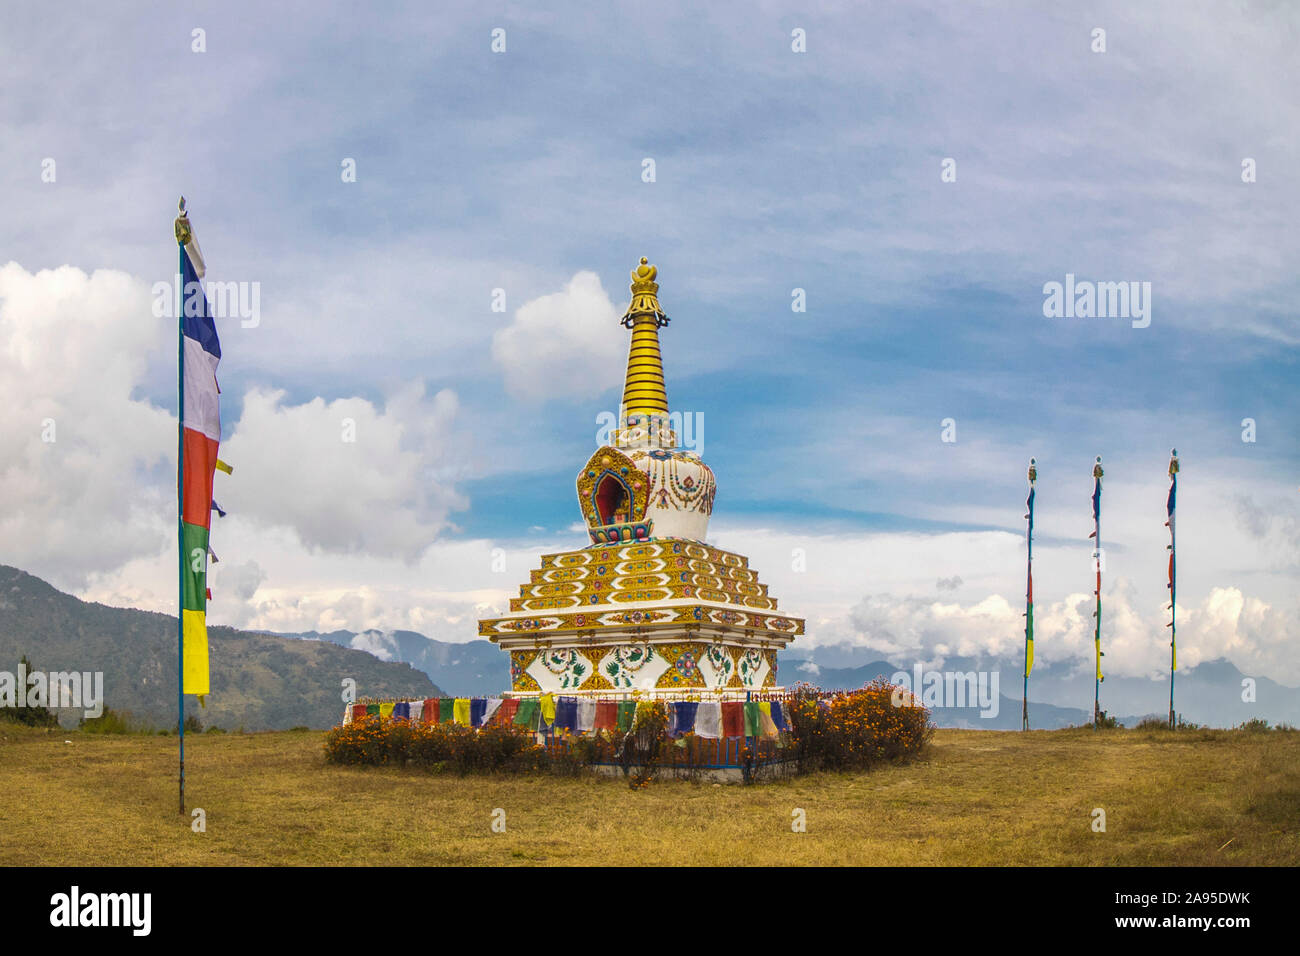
646, 605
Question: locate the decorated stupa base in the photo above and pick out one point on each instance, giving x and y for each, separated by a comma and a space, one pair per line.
660, 616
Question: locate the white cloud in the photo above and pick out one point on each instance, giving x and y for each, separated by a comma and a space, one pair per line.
565, 344
72, 349
383, 646
242, 580
346, 475
1252, 634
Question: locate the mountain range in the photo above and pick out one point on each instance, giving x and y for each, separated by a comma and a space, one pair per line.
275, 681
259, 681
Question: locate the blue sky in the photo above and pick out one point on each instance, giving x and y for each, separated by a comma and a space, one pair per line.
775, 170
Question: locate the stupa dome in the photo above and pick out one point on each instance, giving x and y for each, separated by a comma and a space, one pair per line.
642, 486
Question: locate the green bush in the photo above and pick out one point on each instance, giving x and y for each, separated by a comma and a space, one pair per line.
112, 722
1152, 723
1105, 722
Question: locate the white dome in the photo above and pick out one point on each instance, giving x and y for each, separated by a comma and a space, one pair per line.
682, 489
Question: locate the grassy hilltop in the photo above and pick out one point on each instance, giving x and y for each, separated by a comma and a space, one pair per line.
977, 797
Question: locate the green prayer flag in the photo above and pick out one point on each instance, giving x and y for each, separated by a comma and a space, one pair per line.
446, 709
626, 712
526, 716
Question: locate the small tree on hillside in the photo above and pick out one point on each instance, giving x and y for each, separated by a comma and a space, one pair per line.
28, 715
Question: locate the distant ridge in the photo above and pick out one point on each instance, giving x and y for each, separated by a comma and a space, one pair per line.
1209, 694
259, 681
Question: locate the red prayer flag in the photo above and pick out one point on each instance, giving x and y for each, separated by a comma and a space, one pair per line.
506, 712
606, 715
733, 718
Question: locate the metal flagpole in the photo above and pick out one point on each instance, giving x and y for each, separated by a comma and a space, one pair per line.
1173, 584
1096, 533
1029, 595
182, 231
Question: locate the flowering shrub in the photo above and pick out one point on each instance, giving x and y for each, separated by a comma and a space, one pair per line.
640, 747
845, 730
856, 729
377, 742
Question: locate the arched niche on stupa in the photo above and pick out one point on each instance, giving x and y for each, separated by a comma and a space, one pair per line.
611, 489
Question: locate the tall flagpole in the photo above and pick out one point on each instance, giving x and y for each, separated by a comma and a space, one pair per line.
1096, 533
182, 227
1029, 595
1173, 584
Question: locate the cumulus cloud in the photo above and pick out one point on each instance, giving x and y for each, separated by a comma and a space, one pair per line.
568, 343
87, 466
1275, 526
83, 462
1225, 624
241, 581
383, 646
346, 475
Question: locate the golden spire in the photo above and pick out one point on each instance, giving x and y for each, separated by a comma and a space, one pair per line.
643, 390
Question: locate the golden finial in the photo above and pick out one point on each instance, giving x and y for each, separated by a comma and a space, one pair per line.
1173, 462
645, 295
1033, 471
1096, 469
182, 224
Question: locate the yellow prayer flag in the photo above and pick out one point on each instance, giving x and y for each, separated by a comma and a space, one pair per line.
194, 643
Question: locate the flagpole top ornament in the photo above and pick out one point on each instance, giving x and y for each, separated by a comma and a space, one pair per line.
645, 296
1033, 470
1096, 469
182, 224
1173, 462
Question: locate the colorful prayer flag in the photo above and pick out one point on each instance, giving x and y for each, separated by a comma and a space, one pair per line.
526, 716
733, 719
683, 717
606, 715
708, 720
566, 713
200, 352
626, 713
778, 716
586, 716
1029, 585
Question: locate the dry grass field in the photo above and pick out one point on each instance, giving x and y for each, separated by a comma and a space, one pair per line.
978, 797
